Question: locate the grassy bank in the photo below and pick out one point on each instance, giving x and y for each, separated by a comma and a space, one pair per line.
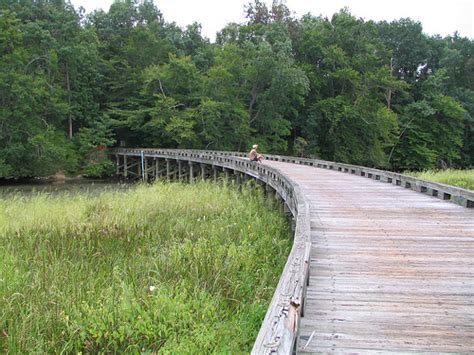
168, 267
461, 178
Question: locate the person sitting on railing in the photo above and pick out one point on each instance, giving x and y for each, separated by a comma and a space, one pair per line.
254, 155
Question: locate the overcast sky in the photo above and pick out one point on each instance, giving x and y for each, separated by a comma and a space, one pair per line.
442, 17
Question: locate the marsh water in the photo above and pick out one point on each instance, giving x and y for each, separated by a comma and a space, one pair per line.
82, 186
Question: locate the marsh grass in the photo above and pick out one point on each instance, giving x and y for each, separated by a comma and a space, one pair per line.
167, 267
460, 178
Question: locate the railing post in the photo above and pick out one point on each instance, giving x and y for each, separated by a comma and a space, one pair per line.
168, 177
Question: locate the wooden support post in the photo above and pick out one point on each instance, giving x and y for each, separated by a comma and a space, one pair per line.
139, 165
268, 189
203, 172
191, 172
214, 172
145, 170
293, 226
125, 166
226, 173
179, 171
157, 169
117, 159
168, 177
237, 177
287, 212
281, 202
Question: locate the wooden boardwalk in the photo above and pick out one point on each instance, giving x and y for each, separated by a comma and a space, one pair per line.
392, 270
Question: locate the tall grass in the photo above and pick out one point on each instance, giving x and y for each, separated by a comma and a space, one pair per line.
460, 178
168, 267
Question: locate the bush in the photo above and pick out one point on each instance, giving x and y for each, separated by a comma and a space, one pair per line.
101, 168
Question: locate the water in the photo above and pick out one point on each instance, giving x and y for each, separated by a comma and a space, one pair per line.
64, 187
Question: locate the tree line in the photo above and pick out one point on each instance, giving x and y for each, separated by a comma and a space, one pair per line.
380, 94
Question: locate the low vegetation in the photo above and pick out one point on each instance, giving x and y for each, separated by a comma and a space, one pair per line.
461, 178
168, 267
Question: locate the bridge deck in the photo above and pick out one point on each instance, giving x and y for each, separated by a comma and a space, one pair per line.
391, 269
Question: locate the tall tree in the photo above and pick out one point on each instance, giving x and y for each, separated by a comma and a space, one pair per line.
433, 128
30, 107
348, 116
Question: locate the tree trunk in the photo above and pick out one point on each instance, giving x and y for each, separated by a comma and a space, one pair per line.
252, 102
388, 94
68, 86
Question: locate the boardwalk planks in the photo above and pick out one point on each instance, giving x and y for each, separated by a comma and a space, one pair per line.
391, 269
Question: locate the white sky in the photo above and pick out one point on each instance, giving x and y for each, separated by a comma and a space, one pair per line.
442, 17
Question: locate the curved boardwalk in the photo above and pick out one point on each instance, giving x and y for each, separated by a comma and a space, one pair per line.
391, 269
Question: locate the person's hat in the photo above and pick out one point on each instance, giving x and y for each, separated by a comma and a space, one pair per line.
255, 146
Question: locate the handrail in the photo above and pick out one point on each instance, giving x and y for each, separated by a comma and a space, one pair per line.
454, 194
280, 326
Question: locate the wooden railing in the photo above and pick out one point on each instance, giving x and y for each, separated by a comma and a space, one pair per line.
454, 194
280, 327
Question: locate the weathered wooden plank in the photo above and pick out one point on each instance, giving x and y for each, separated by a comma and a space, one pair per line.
424, 342
391, 270
408, 299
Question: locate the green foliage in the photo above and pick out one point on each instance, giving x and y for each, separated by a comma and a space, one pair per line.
348, 116
276, 87
300, 146
89, 138
5, 169
170, 268
433, 133
411, 53
99, 167
379, 94
91, 143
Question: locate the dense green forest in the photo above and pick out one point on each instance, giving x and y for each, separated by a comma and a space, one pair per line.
371, 93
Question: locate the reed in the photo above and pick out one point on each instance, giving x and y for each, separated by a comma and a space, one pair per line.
172, 268
460, 178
